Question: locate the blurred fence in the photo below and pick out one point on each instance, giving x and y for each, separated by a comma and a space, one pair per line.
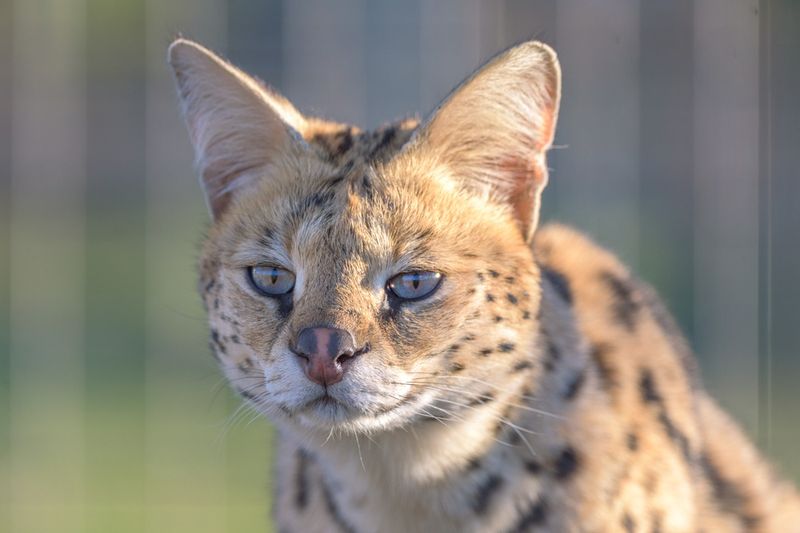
678, 148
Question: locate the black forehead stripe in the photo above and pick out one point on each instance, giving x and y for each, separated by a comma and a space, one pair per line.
386, 138
345, 138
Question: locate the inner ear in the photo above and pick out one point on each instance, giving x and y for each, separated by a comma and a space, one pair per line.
494, 130
239, 128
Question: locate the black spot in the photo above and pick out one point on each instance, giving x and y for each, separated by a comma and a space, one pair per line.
494, 273
481, 399
534, 515
235, 339
574, 385
498, 318
552, 355
730, 498
506, 347
209, 285
533, 467
216, 342
628, 524
454, 348
335, 181
456, 367
366, 187
489, 297
647, 387
511, 299
485, 491
247, 394
216, 303
565, 464
480, 276
605, 370
474, 464
651, 395
468, 338
321, 198
559, 282
625, 306
526, 315
301, 481
486, 352
510, 280
523, 365
632, 442
285, 305
334, 512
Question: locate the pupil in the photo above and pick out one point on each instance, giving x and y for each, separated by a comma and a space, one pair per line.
415, 282
274, 276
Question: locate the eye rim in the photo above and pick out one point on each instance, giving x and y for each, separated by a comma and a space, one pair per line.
256, 287
391, 291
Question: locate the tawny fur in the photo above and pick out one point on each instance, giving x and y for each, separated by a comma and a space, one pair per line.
540, 388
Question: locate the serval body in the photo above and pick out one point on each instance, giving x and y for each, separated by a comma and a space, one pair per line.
431, 360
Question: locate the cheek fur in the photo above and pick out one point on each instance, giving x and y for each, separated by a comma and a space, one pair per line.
423, 329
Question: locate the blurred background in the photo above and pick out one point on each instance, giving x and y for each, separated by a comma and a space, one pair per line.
677, 147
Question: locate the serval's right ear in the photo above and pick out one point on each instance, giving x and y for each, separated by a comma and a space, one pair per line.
238, 127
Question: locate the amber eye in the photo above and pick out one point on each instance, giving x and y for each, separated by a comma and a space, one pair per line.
414, 285
270, 280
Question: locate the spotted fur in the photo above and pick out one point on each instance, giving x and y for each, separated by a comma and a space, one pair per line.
542, 387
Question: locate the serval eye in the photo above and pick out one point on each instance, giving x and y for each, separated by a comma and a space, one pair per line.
414, 285
270, 280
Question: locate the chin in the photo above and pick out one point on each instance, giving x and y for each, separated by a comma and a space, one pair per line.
333, 416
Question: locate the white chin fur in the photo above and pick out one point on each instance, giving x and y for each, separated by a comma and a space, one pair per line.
362, 403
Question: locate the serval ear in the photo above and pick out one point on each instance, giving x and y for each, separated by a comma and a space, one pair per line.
493, 130
239, 128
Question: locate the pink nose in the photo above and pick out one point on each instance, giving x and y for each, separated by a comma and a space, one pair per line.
324, 353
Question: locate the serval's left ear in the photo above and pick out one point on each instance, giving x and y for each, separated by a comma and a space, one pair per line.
239, 127
494, 129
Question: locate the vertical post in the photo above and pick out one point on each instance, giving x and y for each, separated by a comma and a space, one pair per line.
666, 154
185, 478
450, 47
598, 182
780, 239
324, 58
726, 201
5, 264
47, 267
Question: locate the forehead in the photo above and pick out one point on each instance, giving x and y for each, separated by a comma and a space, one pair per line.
344, 201
312, 207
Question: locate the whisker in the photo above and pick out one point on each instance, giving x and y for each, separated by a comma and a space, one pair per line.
439, 386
